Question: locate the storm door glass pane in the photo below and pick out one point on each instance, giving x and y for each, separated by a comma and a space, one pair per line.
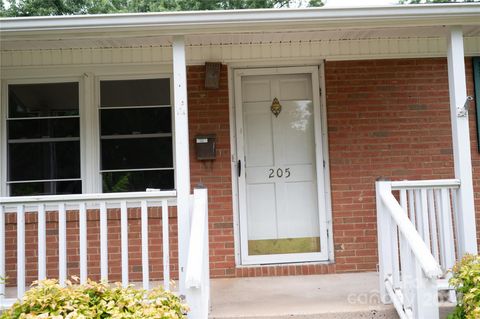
43, 139
136, 135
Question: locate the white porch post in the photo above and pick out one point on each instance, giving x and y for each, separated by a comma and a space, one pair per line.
461, 142
182, 157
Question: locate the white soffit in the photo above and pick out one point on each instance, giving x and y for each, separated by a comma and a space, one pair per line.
236, 39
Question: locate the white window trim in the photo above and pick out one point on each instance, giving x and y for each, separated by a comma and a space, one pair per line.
4, 191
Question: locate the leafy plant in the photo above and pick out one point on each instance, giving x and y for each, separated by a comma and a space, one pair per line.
47, 299
466, 280
113, 184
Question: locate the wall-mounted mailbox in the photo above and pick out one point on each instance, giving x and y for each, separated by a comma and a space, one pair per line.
205, 147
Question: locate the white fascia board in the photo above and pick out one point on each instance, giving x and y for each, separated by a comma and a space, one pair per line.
244, 20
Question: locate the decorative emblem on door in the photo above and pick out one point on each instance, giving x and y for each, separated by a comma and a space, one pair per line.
276, 107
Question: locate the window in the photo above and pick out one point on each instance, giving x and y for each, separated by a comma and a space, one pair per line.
136, 135
126, 146
43, 139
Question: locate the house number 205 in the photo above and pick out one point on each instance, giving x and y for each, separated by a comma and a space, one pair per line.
279, 172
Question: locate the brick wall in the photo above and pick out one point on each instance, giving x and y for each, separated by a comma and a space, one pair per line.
209, 114
386, 118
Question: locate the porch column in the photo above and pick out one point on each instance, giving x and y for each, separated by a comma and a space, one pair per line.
182, 157
461, 142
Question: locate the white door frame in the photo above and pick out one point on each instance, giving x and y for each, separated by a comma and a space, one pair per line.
323, 201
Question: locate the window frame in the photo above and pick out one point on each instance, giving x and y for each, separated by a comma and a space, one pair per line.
4, 185
96, 113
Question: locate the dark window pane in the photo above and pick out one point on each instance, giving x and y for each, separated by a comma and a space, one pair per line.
137, 153
43, 99
135, 92
52, 160
60, 127
135, 121
46, 188
137, 181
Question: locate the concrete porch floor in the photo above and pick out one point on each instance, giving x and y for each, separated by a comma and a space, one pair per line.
315, 296
336, 296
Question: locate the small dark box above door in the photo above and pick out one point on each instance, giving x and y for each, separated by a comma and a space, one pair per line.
212, 75
205, 147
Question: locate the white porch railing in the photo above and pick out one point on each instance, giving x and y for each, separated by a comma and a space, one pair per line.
82, 205
197, 271
417, 240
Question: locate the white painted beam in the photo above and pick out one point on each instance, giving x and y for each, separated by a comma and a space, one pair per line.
182, 157
465, 218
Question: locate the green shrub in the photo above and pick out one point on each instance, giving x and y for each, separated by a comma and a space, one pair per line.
47, 299
466, 280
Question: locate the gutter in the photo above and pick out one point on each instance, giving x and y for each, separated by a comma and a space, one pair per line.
234, 21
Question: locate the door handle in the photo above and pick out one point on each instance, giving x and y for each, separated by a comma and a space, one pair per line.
239, 167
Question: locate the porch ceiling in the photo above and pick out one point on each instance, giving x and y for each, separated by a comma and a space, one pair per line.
199, 40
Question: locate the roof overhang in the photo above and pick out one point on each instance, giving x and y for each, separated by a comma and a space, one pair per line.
409, 27
239, 21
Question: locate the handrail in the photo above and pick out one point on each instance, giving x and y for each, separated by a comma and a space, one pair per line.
426, 260
439, 183
193, 277
86, 197
92, 200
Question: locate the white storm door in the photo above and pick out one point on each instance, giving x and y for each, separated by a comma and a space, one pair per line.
281, 192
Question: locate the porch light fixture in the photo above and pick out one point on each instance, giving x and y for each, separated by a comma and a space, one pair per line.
276, 107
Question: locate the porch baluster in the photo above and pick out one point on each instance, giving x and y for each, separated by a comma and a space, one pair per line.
20, 251
103, 242
425, 220
166, 246
124, 241
433, 224
42, 243
145, 267
82, 225
411, 207
62, 244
